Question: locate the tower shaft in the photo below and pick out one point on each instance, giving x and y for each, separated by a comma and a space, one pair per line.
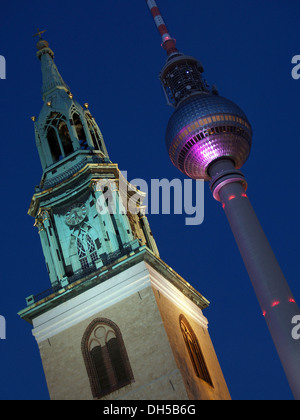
273, 293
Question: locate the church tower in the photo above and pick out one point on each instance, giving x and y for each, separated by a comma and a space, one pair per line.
117, 321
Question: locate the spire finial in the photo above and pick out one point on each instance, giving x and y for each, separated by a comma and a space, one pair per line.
39, 33
41, 44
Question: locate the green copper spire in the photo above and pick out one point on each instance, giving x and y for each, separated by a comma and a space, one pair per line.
67, 135
51, 77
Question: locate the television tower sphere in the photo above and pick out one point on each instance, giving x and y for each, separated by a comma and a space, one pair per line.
206, 127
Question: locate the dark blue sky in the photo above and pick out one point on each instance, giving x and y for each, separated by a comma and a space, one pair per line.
109, 53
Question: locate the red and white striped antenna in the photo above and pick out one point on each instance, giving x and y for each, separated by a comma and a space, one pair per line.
168, 43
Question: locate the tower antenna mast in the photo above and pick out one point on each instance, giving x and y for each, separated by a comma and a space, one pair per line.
168, 43
209, 137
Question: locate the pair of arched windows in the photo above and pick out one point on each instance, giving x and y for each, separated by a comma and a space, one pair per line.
59, 139
105, 357
58, 136
107, 362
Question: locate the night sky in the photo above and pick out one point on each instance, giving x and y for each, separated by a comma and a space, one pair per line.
109, 53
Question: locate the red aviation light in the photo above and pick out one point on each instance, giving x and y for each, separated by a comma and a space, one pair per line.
275, 303
292, 300
231, 197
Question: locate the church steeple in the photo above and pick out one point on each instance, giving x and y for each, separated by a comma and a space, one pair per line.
67, 136
80, 204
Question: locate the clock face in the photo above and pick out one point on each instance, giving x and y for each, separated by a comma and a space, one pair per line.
76, 215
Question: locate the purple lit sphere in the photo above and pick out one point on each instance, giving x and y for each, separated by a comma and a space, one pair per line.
204, 128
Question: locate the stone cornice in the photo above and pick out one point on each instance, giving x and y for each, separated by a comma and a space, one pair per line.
108, 272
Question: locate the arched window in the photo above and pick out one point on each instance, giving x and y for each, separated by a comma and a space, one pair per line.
96, 136
54, 144
80, 131
105, 357
194, 351
65, 137
58, 136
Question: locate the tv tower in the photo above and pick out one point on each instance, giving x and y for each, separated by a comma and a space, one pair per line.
209, 137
